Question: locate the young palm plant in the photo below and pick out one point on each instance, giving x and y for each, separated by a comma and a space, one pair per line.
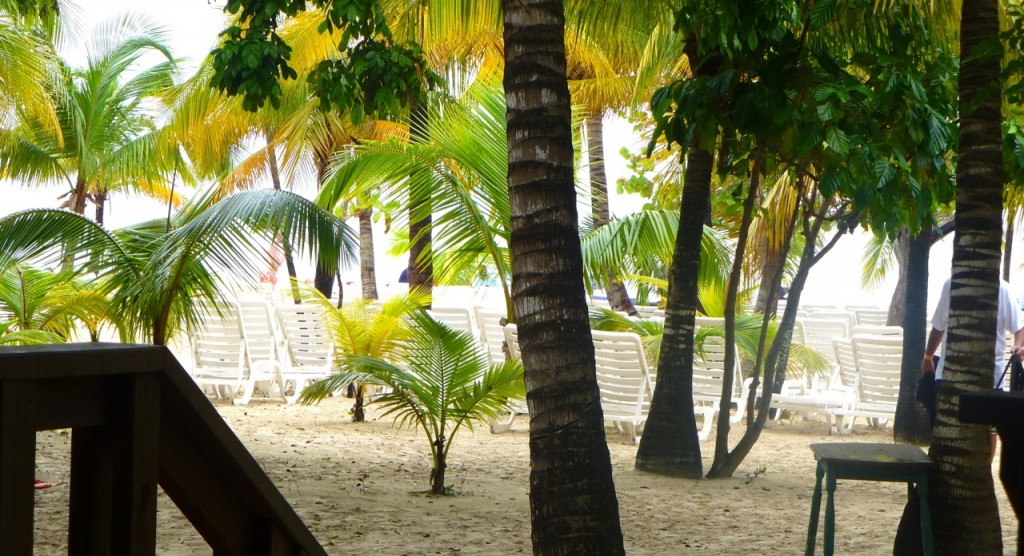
442, 383
42, 307
361, 328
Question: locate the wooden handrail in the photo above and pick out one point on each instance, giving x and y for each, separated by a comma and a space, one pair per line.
137, 420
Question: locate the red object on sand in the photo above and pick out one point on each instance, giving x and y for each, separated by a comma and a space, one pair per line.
39, 485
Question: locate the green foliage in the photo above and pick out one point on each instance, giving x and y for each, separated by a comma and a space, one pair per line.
443, 382
640, 245
45, 307
373, 74
156, 276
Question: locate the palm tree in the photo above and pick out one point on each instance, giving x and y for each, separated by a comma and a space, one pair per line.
444, 383
462, 171
361, 330
158, 277
46, 307
28, 62
965, 511
107, 139
570, 477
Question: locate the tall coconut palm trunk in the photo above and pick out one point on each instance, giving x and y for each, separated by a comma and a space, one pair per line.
618, 297
572, 495
965, 512
367, 265
669, 445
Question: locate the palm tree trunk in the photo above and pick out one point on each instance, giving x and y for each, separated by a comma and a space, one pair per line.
77, 200
289, 259
367, 267
323, 280
767, 294
100, 199
669, 445
911, 422
898, 301
572, 495
421, 266
618, 297
965, 514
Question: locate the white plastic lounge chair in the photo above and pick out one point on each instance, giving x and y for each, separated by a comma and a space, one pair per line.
878, 360
309, 350
708, 372
262, 349
625, 383
218, 353
492, 335
511, 334
457, 318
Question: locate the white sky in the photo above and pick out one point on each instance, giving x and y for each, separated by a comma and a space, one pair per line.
192, 30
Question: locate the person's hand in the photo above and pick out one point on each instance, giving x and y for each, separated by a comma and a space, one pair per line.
928, 363
1018, 352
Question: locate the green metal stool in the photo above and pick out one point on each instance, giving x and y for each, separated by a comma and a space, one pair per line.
864, 461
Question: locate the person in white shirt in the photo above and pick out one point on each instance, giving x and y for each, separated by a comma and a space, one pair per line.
1009, 319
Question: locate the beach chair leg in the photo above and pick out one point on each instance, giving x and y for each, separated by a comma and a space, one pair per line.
247, 390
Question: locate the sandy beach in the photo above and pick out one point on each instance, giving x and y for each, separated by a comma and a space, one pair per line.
360, 488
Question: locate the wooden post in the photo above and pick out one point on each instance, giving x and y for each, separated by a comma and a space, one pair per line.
17, 467
114, 473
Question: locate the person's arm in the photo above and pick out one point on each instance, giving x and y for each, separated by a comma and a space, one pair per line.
934, 340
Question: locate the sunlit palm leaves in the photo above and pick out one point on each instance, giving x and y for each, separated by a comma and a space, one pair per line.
640, 245
107, 137
158, 276
463, 169
39, 306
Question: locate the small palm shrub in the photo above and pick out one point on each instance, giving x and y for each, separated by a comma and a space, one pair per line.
442, 384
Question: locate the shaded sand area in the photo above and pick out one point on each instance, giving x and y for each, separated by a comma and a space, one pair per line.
359, 487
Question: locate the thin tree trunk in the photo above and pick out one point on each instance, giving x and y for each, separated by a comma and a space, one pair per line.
572, 494
367, 266
735, 276
669, 445
774, 362
618, 297
965, 514
286, 246
911, 423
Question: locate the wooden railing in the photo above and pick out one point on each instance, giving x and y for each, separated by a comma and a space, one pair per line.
137, 420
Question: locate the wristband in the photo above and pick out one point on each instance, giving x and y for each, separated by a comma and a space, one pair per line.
929, 358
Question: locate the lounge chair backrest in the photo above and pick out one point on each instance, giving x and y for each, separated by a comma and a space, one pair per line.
623, 378
307, 342
879, 360
488, 321
842, 349
818, 334
457, 318
877, 330
218, 351
512, 339
871, 317
259, 332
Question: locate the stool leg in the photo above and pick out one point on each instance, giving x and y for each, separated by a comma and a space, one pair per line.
926, 517
812, 527
830, 514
